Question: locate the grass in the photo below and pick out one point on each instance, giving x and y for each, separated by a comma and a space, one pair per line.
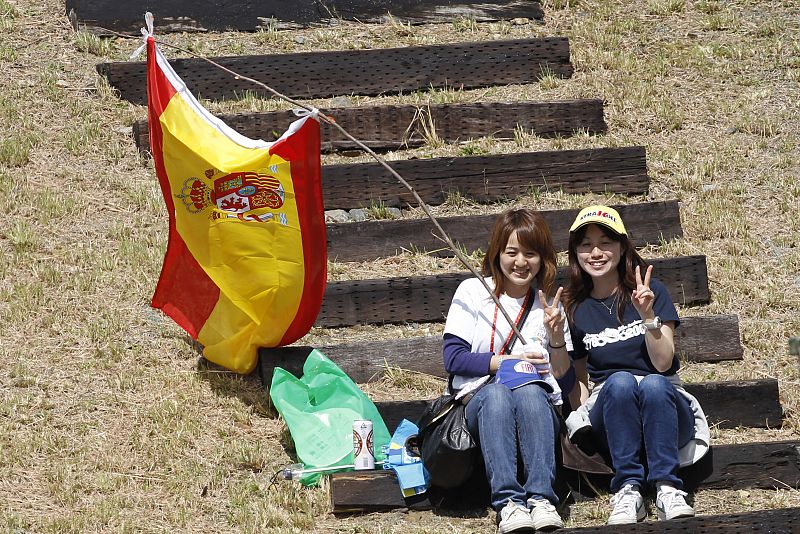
108, 419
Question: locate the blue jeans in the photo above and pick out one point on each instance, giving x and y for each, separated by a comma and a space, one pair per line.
653, 414
502, 419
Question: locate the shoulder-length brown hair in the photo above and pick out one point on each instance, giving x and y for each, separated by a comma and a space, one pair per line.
580, 283
533, 234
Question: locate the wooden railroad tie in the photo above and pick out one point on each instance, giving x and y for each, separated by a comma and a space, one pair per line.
706, 339
729, 404
650, 222
98, 16
427, 298
362, 72
394, 127
487, 178
740, 466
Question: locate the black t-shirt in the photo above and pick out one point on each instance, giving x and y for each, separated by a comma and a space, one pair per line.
612, 347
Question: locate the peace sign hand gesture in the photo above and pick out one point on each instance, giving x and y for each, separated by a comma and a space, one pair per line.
643, 297
553, 318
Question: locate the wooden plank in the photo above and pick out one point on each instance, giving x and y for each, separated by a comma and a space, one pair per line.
780, 520
699, 339
713, 338
363, 72
363, 241
99, 16
395, 127
741, 466
427, 298
750, 403
487, 178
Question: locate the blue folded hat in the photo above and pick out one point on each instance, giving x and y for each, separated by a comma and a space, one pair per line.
514, 373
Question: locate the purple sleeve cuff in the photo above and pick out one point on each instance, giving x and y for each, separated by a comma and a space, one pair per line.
459, 360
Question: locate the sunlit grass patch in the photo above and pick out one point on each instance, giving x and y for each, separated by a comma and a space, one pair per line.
23, 236
709, 7
7, 53
268, 33
7, 10
379, 211
15, 150
548, 80
92, 44
559, 4
760, 125
719, 21
83, 138
465, 25
666, 7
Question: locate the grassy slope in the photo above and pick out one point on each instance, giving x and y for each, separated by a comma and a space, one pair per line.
108, 421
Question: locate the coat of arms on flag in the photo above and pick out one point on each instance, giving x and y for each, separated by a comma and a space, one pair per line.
246, 259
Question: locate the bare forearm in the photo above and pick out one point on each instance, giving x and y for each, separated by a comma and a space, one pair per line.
661, 346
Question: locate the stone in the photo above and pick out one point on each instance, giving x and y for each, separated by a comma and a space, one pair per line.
341, 102
336, 216
358, 215
395, 213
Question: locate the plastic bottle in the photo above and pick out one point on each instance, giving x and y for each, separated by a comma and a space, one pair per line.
295, 471
292, 472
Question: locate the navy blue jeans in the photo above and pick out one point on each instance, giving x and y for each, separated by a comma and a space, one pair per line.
501, 419
651, 414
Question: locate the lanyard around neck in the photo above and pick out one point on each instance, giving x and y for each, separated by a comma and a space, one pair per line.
516, 323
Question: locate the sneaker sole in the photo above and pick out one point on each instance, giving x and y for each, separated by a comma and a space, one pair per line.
520, 528
662, 516
640, 515
547, 527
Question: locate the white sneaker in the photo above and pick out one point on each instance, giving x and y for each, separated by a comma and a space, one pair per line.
670, 503
514, 518
628, 506
544, 515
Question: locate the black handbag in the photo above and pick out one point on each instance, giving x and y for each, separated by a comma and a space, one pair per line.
447, 449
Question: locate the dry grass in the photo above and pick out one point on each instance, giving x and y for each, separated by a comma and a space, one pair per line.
107, 420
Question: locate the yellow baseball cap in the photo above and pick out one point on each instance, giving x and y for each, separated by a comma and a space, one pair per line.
604, 215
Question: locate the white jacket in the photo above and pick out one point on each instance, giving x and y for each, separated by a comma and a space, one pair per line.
688, 454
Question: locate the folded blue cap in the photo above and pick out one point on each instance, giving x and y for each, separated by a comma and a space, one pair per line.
514, 373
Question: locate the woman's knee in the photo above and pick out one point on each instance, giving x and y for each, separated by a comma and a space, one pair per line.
656, 386
621, 385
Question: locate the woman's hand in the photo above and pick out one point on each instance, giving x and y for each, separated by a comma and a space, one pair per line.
553, 318
642, 297
536, 358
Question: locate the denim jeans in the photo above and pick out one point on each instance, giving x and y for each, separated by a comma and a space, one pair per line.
505, 420
651, 413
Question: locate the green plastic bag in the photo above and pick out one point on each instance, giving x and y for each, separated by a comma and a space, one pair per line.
319, 410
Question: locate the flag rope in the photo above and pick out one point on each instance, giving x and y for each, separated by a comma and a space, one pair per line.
445, 237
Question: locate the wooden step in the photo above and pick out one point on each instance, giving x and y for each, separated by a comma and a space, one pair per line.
699, 339
99, 16
396, 127
359, 72
487, 178
780, 520
730, 404
741, 466
649, 223
427, 298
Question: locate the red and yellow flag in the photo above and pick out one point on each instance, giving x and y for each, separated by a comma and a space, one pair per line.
246, 259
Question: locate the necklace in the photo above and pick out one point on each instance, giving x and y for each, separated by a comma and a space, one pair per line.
606, 306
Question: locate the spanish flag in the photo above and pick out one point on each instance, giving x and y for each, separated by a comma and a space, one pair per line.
245, 265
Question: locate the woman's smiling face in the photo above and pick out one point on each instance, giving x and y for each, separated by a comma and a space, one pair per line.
598, 254
519, 266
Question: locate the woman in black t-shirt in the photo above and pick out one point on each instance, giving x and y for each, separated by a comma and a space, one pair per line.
622, 323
